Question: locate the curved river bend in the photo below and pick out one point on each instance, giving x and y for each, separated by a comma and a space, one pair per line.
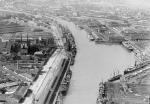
93, 64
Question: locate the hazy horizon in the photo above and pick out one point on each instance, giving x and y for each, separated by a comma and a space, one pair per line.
143, 4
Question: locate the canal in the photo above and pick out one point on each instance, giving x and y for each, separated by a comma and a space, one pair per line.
93, 64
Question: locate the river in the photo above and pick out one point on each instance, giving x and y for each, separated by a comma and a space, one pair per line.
93, 64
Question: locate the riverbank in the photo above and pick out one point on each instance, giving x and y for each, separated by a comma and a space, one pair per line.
131, 87
93, 62
106, 95
103, 31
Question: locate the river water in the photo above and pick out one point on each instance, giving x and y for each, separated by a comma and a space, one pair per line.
93, 64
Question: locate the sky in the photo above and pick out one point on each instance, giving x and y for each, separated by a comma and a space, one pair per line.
132, 3
143, 4
139, 3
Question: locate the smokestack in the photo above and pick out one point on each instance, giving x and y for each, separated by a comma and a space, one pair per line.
21, 37
27, 40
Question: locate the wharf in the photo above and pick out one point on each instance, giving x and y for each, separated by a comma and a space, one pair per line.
42, 85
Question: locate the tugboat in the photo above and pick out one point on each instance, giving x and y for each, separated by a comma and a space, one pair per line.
66, 82
90, 36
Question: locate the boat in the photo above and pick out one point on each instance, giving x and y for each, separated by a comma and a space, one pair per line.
66, 82
90, 36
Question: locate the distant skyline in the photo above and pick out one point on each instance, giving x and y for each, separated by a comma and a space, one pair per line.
145, 4
132, 3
